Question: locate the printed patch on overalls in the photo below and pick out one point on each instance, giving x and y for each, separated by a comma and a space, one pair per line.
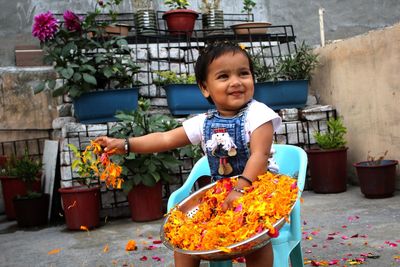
222, 146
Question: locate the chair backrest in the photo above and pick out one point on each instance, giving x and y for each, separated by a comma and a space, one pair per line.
292, 161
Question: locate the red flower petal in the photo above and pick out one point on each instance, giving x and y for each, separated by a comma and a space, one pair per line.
156, 258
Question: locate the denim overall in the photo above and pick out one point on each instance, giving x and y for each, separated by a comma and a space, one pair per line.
226, 146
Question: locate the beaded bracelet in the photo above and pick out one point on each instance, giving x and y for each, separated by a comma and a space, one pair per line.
238, 190
246, 179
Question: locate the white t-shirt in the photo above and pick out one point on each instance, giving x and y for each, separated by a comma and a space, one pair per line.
257, 114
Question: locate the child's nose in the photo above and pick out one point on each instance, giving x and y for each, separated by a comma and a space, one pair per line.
235, 80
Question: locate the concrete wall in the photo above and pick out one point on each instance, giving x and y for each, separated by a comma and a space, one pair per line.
342, 18
360, 77
20, 109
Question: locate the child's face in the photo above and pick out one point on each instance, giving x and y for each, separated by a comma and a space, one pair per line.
229, 83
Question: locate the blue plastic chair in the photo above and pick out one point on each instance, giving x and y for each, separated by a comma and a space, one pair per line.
292, 161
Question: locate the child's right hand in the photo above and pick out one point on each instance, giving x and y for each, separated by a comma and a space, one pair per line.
111, 144
230, 198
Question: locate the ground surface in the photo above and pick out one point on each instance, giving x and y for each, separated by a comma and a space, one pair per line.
341, 229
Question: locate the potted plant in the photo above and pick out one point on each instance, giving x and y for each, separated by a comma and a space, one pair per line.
113, 28
95, 70
377, 176
81, 201
328, 161
250, 27
285, 85
145, 173
13, 186
180, 20
31, 208
183, 94
145, 17
212, 17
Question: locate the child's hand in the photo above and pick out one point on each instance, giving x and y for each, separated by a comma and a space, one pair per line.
230, 198
111, 144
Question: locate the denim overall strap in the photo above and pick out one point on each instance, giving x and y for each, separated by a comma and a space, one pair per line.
225, 142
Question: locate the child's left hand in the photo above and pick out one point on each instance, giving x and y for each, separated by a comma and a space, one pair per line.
230, 198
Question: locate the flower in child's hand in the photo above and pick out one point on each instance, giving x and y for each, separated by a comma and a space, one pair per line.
45, 26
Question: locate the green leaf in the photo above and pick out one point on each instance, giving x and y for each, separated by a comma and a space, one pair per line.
108, 72
52, 84
89, 79
77, 77
88, 67
127, 186
67, 73
60, 91
38, 88
122, 42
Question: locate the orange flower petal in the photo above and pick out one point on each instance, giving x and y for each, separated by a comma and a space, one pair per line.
54, 251
270, 198
131, 245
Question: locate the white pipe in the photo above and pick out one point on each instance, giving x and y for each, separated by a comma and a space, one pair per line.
321, 25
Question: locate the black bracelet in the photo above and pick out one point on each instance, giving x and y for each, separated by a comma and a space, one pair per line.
246, 179
127, 146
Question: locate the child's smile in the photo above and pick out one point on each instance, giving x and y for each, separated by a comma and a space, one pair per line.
229, 83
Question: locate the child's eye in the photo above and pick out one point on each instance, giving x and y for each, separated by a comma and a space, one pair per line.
245, 73
222, 76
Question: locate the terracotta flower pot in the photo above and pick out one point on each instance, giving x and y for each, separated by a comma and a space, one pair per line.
31, 211
180, 21
145, 202
328, 170
81, 206
12, 187
377, 181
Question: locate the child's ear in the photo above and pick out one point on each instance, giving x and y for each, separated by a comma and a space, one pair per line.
204, 89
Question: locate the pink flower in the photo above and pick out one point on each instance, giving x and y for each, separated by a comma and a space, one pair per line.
45, 26
72, 21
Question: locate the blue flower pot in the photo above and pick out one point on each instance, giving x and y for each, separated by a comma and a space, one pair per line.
282, 94
101, 106
185, 99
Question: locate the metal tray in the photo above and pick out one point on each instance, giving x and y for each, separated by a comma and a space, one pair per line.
190, 206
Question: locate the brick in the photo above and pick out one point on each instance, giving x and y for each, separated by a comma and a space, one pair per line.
28, 56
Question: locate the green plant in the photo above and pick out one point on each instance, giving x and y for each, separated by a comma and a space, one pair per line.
207, 5
191, 151
177, 4
146, 169
334, 137
375, 160
248, 6
298, 66
84, 57
262, 73
25, 168
170, 77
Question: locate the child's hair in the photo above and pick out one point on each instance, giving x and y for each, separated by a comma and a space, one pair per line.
212, 51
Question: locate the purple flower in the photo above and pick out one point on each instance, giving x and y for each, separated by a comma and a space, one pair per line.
45, 26
72, 21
